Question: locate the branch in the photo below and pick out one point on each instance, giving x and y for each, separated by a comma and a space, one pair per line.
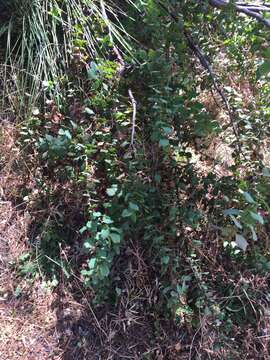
248, 9
122, 65
134, 106
256, 7
204, 62
121, 69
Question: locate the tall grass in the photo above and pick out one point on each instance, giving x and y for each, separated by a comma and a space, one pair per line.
40, 38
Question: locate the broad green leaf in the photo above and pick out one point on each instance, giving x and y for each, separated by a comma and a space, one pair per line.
65, 133
104, 233
266, 53
167, 130
96, 214
104, 270
115, 229
86, 273
112, 190
231, 212
164, 142
127, 213
257, 217
83, 229
92, 71
24, 256
157, 178
116, 238
118, 291
248, 197
107, 220
89, 224
87, 243
133, 206
92, 263
165, 259
263, 69
266, 172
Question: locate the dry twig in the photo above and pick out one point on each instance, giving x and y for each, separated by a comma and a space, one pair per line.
134, 105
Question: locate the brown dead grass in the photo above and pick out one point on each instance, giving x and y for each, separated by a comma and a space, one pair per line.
26, 327
27, 321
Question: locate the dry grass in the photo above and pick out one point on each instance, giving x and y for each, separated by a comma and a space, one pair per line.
26, 327
26, 317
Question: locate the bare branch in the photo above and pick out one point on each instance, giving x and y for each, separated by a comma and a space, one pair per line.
204, 62
134, 105
249, 10
256, 7
122, 65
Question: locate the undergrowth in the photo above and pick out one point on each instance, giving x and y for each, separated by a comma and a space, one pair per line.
114, 142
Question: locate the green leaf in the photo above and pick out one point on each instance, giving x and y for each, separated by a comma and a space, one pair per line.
266, 53
167, 130
112, 190
263, 69
24, 256
133, 206
65, 133
83, 229
107, 220
165, 259
116, 238
231, 212
164, 142
241, 242
118, 291
85, 273
257, 217
92, 71
104, 270
18, 292
126, 213
87, 243
97, 214
92, 263
266, 172
157, 178
248, 197
104, 233
89, 224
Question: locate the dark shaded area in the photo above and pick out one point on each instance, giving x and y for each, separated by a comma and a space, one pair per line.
112, 334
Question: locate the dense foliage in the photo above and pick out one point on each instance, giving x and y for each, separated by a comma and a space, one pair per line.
144, 132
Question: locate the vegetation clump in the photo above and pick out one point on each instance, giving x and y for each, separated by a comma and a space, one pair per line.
142, 130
